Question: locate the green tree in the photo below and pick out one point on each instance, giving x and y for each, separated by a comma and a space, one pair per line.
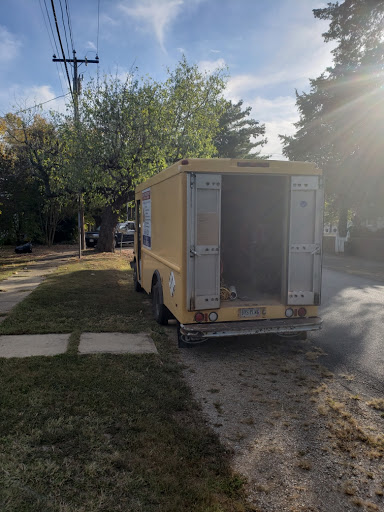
237, 135
37, 153
341, 120
190, 112
116, 144
132, 129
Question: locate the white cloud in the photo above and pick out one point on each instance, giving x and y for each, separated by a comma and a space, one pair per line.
107, 20
156, 15
245, 84
301, 55
21, 98
278, 114
209, 66
9, 45
215, 51
90, 45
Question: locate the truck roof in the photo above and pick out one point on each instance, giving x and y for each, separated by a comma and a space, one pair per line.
232, 166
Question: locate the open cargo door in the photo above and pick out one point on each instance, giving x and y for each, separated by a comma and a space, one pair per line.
203, 214
305, 237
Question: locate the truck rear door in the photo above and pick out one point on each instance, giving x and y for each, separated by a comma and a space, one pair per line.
305, 238
203, 250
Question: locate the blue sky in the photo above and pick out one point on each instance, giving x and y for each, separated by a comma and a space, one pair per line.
270, 47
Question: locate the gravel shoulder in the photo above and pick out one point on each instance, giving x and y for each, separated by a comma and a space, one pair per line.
302, 437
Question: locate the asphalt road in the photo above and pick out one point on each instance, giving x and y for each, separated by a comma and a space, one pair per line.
353, 330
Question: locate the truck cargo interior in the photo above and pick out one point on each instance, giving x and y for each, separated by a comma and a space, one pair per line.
254, 230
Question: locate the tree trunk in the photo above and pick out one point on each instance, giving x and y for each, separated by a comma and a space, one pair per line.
109, 218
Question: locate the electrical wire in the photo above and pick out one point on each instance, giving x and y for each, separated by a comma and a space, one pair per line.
54, 41
97, 44
62, 50
69, 23
65, 35
40, 104
51, 43
98, 27
53, 35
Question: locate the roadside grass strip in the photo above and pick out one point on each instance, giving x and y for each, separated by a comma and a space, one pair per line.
104, 432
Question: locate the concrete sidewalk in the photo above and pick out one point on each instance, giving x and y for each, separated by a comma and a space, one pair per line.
27, 345
356, 266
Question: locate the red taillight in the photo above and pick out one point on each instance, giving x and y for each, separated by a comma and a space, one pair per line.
302, 312
199, 317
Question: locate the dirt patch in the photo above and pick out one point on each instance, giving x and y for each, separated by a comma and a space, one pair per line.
298, 434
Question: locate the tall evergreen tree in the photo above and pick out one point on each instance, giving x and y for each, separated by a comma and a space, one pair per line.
341, 121
238, 136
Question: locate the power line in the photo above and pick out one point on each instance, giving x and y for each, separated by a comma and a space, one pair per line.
62, 50
46, 26
54, 40
98, 26
40, 104
69, 23
51, 43
53, 35
65, 31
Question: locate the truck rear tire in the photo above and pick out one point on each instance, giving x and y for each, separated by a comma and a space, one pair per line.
160, 312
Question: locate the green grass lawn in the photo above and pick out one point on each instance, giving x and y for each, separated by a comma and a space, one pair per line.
103, 432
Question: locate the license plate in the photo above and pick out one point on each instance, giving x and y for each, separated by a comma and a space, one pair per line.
249, 312
91, 240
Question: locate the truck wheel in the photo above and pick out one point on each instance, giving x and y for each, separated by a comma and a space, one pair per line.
136, 284
160, 312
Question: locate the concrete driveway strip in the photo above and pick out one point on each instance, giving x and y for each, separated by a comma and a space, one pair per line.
27, 345
14, 289
116, 343
10, 300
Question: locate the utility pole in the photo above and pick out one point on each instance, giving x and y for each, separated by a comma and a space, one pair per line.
76, 93
76, 81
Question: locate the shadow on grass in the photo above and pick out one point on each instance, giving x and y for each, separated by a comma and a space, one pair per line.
104, 432
107, 433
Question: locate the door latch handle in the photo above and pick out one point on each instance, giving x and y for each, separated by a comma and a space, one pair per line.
192, 252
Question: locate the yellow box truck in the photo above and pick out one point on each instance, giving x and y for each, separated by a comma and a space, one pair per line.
231, 247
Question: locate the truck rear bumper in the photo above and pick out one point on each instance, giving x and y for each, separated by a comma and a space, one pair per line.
286, 326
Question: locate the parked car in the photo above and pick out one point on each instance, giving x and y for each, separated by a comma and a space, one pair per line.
125, 233
92, 237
